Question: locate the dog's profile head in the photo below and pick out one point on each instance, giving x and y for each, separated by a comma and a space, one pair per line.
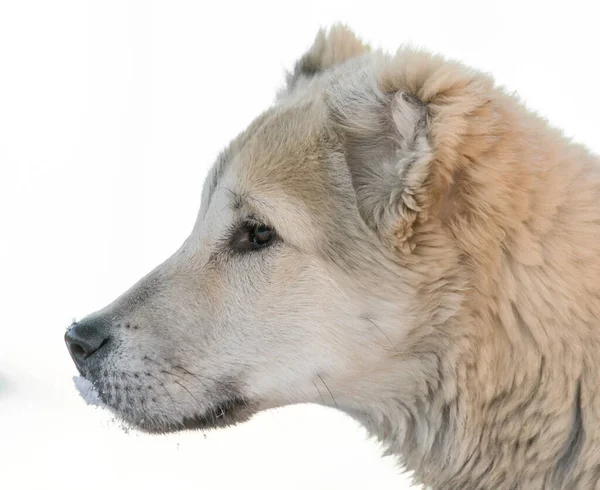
297, 283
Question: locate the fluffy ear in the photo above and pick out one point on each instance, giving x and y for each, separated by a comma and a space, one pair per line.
328, 50
387, 147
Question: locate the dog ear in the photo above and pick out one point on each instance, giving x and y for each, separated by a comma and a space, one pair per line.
418, 133
387, 148
328, 50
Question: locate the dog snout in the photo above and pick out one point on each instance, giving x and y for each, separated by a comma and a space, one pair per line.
86, 338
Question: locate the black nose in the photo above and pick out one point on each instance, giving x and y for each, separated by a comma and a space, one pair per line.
86, 338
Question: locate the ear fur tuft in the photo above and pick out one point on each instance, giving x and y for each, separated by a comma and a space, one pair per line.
328, 50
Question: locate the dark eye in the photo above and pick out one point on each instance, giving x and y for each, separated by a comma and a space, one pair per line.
261, 235
252, 236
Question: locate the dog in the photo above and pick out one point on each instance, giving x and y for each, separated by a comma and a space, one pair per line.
398, 238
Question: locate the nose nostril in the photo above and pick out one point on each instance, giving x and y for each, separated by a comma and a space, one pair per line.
86, 339
77, 350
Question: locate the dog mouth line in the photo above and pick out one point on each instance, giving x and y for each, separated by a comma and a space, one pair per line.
222, 414
231, 409
224, 409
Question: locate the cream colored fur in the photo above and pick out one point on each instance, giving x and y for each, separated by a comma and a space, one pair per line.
506, 395
436, 276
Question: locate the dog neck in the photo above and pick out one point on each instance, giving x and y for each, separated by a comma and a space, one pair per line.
471, 413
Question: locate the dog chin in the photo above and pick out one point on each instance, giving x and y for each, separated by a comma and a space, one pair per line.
225, 414
230, 411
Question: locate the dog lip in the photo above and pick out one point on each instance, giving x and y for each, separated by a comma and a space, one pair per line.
223, 414
225, 407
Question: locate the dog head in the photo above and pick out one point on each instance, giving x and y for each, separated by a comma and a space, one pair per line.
294, 284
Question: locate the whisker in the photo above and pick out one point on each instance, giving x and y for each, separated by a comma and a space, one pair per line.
194, 374
146, 358
384, 334
199, 377
172, 374
190, 393
319, 392
164, 388
330, 393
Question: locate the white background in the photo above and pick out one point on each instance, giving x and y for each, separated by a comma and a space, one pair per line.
111, 113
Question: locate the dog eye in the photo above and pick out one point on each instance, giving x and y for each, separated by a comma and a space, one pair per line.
252, 236
261, 235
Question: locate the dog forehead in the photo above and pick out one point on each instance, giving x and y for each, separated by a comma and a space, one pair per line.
279, 148
288, 155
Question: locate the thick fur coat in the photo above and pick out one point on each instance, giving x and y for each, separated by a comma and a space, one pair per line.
435, 274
